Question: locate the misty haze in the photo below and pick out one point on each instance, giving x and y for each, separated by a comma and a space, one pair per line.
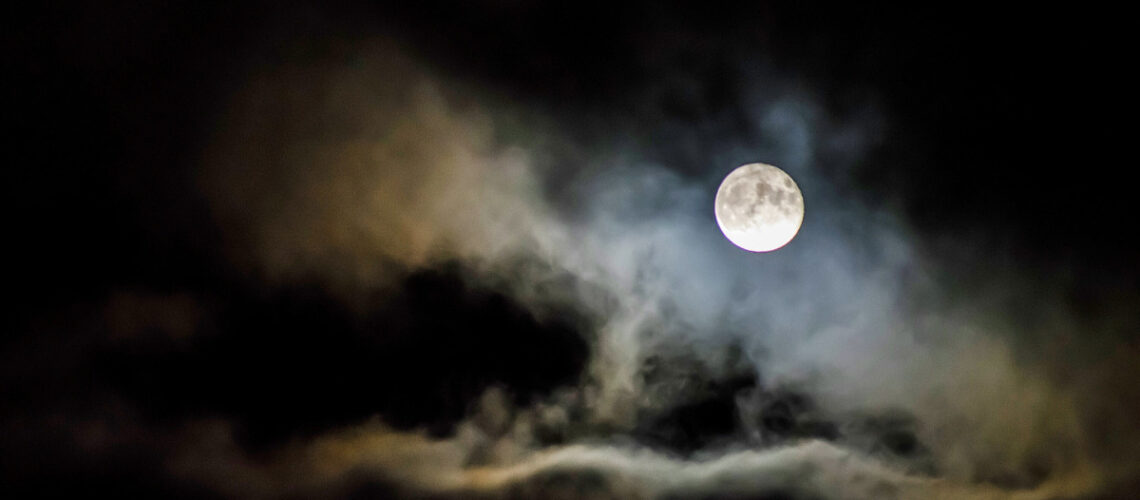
472, 251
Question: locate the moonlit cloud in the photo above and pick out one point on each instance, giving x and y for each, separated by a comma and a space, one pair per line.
368, 254
388, 170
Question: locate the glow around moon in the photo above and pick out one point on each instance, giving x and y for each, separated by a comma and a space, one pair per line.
759, 207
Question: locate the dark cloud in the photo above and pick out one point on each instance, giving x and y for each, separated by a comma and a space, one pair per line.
467, 251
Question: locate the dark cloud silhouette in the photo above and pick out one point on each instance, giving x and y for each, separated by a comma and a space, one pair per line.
467, 251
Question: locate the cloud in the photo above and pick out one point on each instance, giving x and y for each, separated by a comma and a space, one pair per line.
867, 373
372, 458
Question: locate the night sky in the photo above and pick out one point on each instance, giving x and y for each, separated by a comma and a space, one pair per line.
467, 250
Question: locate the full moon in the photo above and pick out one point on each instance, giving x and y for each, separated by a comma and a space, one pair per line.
759, 207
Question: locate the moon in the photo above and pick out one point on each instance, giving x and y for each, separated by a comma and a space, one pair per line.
759, 207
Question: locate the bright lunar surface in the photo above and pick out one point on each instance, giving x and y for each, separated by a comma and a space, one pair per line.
759, 207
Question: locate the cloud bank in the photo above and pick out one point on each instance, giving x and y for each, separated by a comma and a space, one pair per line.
376, 165
430, 286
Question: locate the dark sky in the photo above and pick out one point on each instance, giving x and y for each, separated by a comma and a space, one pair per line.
999, 140
988, 108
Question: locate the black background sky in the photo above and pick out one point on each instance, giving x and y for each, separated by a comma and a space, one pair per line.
1010, 129
1008, 123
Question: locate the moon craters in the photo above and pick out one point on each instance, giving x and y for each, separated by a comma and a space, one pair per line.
759, 207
